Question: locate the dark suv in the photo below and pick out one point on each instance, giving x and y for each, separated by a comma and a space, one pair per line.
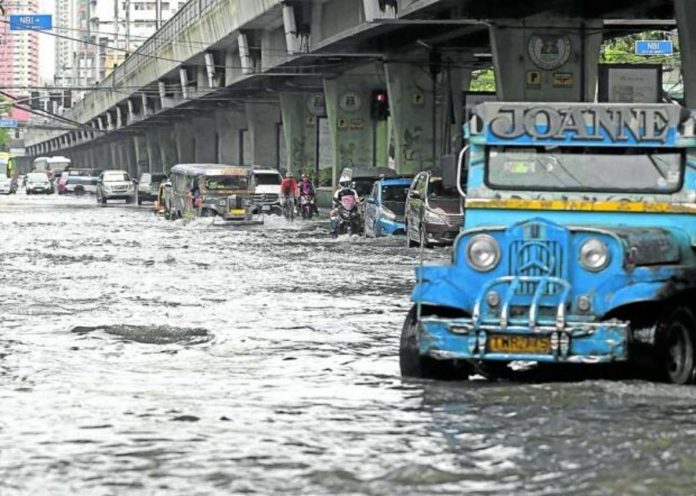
434, 214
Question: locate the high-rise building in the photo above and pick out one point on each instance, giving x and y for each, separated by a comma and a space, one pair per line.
19, 54
95, 35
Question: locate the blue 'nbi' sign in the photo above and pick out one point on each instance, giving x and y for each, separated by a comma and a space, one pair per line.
4, 123
654, 47
30, 22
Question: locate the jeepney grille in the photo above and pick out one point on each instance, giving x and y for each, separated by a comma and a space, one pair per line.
536, 258
265, 198
456, 220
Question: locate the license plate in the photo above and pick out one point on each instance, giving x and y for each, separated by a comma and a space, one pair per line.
532, 345
237, 211
266, 208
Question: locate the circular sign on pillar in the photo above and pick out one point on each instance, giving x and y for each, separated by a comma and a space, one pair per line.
316, 105
549, 51
350, 102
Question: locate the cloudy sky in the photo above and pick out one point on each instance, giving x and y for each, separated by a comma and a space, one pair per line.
47, 44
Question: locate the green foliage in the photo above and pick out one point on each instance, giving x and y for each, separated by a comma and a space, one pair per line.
483, 81
622, 50
326, 176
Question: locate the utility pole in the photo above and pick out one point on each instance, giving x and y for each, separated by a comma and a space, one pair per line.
126, 4
115, 51
158, 14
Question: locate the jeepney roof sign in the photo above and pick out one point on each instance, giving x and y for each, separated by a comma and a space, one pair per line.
580, 124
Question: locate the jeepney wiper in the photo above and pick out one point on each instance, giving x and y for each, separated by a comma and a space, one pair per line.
657, 167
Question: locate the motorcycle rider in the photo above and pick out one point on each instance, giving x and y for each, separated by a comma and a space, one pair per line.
306, 188
345, 190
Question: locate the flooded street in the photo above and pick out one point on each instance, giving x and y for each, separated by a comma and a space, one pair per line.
141, 356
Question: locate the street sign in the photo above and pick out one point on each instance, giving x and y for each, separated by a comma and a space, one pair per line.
30, 22
654, 47
8, 123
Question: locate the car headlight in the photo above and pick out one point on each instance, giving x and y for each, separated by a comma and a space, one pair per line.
483, 252
433, 218
594, 255
388, 214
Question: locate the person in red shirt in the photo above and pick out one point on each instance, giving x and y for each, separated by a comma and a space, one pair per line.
288, 188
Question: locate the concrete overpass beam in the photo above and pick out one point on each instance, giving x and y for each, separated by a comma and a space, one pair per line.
374, 11
263, 121
297, 35
165, 100
119, 117
300, 128
233, 63
245, 53
543, 60
685, 12
184, 80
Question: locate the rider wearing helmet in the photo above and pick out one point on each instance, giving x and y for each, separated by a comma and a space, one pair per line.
345, 189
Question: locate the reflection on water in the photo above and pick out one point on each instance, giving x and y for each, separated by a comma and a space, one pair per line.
139, 356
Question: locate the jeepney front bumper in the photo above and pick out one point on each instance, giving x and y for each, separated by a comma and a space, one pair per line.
544, 333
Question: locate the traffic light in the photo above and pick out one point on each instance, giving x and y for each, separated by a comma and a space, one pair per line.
379, 106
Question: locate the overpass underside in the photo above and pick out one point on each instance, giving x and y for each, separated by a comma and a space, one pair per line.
297, 83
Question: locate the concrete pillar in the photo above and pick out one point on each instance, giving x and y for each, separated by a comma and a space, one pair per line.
142, 161
230, 123
207, 142
169, 154
152, 146
542, 59
262, 121
357, 140
130, 157
300, 112
185, 137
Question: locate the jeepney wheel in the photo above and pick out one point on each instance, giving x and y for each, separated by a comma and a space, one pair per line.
675, 348
415, 365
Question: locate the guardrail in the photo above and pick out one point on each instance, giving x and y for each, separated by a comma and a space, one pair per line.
171, 30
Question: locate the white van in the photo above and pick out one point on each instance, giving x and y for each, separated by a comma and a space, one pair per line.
267, 191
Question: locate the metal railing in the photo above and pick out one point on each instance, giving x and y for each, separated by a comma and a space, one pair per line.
167, 34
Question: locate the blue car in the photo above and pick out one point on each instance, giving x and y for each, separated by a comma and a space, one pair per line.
384, 208
579, 246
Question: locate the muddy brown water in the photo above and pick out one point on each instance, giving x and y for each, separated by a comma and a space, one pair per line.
139, 356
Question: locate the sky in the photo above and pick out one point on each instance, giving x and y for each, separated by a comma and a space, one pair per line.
47, 45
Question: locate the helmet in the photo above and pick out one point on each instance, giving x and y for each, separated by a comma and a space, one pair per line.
344, 182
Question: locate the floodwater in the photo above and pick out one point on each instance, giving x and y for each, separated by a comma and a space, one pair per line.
140, 356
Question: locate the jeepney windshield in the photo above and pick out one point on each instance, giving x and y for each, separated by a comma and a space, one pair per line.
213, 183
590, 169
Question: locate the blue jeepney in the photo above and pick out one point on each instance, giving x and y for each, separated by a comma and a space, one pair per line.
385, 207
577, 247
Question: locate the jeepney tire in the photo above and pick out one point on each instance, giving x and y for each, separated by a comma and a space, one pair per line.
675, 345
140, 202
415, 365
494, 371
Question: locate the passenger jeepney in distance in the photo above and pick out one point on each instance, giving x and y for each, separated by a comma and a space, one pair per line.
210, 190
578, 245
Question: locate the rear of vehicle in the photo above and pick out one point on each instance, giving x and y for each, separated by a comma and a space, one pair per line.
5, 186
38, 183
148, 186
267, 190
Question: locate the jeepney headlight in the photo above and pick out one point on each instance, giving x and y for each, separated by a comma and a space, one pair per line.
594, 255
483, 252
433, 218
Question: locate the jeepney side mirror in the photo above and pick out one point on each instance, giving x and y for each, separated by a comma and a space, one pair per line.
460, 169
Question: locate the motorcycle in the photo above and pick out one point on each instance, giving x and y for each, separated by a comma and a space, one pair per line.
346, 218
306, 206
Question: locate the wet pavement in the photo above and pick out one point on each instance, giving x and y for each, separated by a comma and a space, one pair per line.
140, 356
